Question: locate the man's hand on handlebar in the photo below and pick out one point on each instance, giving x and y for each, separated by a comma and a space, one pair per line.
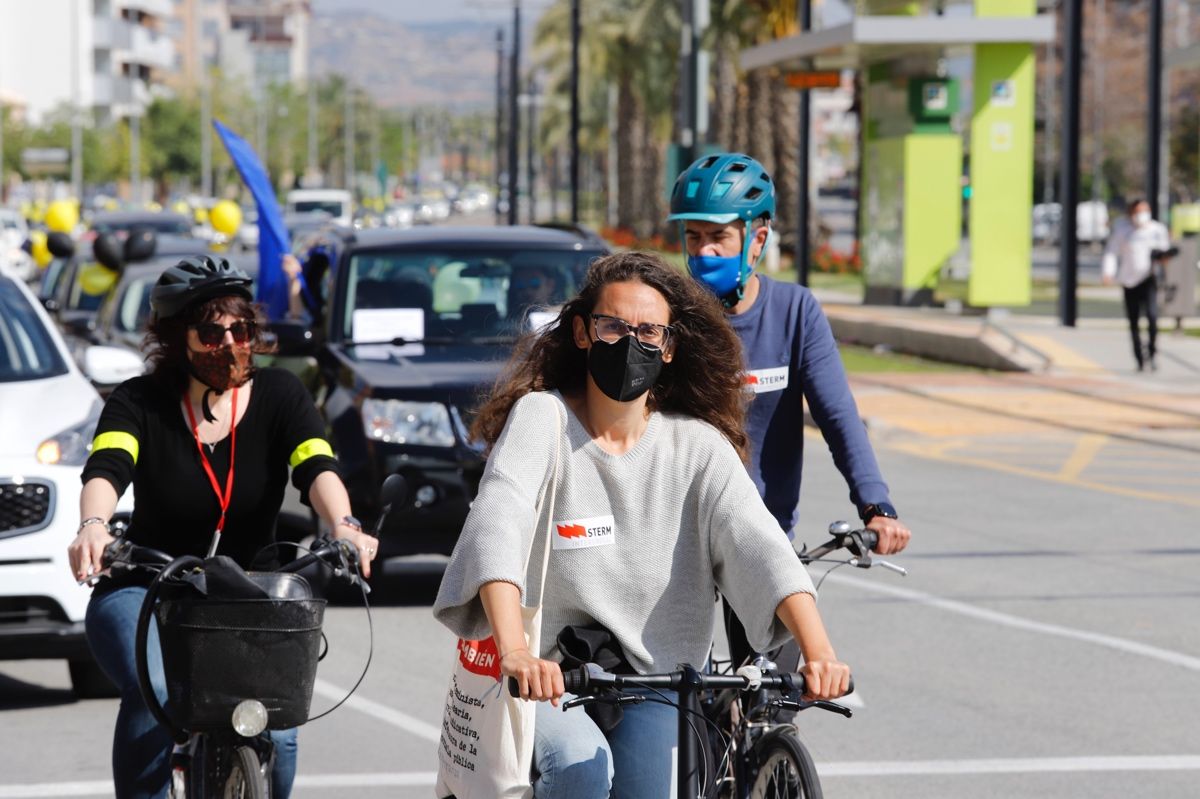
86, 551
893, 535
538, 679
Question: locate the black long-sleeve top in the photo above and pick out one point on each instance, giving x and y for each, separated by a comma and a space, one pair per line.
143, 438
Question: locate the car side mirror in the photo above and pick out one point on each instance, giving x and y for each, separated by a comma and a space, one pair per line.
108, 366
292, 338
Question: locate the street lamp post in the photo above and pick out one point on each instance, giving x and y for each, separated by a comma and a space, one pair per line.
531, 151
802, 204
514, 121
575, 32
1068, 257
1154, 109
499, 117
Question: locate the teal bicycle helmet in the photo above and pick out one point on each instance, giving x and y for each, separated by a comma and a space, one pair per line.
723, 188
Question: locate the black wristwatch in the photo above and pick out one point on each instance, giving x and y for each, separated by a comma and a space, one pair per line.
351, 522
883, 509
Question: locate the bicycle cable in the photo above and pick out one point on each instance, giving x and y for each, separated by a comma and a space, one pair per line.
370, 626
837, 565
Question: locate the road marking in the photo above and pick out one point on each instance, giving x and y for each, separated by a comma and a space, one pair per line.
1086, 450
376, 710
1008, 620
937, 451
873, 768
1015, 765
105, 787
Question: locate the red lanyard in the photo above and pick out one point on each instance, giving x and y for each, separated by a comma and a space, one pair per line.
212, 477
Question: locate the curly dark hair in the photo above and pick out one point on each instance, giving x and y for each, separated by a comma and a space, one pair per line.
692, 384
165, 343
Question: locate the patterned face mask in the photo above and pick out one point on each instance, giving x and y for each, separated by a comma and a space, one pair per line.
222, 368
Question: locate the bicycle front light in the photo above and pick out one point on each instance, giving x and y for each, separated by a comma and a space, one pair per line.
249, 718
402, 422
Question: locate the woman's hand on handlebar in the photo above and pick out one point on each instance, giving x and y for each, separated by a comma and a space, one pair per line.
366, 544
825, 679
893, 535
86, 551
538, 679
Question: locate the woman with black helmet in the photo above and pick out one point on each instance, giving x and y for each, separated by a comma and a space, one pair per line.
206, 440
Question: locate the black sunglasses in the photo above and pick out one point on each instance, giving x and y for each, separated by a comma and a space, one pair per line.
212, 334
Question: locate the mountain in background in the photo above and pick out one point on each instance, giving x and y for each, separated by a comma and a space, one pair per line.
451, 64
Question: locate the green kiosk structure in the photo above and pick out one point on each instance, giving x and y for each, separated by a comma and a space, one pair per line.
947, 103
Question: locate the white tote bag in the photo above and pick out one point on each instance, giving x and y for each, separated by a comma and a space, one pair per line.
486, 746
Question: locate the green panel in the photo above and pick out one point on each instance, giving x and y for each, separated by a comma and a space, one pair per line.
1001, 175
1005, 8
932, 206
932, 103
882, 213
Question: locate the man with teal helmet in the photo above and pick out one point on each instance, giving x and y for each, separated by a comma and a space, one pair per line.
720, 190
725, 204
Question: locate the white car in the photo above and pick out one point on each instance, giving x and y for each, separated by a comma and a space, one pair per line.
13, 259
48, 415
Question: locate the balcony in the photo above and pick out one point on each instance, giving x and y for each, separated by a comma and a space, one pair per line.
130, 96
109, 33
102, 90
155, 8
149, 48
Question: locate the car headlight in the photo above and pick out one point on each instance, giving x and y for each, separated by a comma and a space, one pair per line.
72, 446
401, 422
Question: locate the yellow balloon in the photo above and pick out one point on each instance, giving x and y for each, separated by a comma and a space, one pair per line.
62, 215
180, 207
96, 279
225, 217
200, 216
39, 251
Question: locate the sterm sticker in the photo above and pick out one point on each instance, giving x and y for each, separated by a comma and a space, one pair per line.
762, 380
598, 531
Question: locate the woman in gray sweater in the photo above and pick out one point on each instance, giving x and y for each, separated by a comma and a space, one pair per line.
637, 388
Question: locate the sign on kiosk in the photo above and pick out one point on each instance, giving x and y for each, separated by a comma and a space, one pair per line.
825, 79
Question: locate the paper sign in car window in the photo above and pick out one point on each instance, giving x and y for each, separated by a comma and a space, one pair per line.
385, 324
540, 321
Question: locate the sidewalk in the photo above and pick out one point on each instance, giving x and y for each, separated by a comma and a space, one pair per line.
1061, 404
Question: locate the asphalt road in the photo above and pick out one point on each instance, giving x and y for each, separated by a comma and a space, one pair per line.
1043, 645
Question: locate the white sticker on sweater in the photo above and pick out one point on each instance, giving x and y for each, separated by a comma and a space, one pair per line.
761, 381
598, 531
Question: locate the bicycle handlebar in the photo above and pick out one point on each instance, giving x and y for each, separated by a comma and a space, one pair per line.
591, 677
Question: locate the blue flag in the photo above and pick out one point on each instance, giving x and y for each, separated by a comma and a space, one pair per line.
273, 241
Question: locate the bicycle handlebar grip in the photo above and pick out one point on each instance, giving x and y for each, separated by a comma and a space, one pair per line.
870, 538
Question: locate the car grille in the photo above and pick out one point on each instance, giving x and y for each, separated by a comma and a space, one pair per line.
24, 506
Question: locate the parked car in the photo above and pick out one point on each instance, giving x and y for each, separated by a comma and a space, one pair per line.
78, 294
338, 203
48, 416
121, 222
13, 258
418, 324
1091, 222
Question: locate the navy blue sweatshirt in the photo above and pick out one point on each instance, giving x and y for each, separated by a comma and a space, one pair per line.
790, 351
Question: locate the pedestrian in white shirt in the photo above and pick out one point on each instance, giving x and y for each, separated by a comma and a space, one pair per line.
1137, 243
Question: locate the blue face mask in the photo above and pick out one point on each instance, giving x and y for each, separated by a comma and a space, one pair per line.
719, 273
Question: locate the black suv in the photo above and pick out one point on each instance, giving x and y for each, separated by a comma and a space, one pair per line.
413, 328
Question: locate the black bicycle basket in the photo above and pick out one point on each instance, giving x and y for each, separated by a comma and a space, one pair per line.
219, 651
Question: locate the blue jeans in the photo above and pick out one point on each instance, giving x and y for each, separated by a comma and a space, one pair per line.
573, 758
141, 754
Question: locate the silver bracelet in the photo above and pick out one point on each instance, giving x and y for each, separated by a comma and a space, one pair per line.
93, 520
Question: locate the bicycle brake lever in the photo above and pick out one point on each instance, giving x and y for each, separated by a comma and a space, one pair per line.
604, 699
833, 707
903, 572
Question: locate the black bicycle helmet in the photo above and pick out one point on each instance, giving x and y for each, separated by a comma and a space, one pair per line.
195, 279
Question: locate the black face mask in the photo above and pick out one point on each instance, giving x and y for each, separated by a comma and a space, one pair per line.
626, 370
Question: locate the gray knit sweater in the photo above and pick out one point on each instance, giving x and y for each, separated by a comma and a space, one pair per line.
640, 540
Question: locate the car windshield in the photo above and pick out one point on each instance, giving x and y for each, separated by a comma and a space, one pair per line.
458, 294
27, 351
332, 207
134, 309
